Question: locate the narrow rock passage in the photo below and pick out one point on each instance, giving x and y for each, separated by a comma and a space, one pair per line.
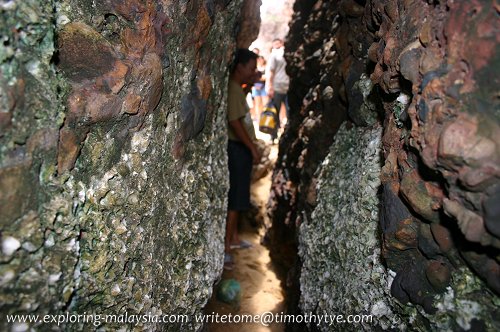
260, 288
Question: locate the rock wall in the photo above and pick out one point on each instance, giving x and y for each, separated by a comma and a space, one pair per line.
113, 174
340, 241
343, 270
250, 23
424, 71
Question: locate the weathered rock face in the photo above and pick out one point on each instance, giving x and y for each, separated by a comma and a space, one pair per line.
425, 72
112, 167
347, 208
250, 23
447, 165
343, 270
441, 143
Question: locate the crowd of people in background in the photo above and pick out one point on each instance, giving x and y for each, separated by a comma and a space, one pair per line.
270, 84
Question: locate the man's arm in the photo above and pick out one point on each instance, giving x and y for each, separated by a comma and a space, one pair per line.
271, 69
242, 135
269, 84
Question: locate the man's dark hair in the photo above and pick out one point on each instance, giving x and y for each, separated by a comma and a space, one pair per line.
242, 56
278, 39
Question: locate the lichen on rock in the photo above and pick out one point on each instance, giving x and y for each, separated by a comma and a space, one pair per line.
432, 95
342, 271
97, 214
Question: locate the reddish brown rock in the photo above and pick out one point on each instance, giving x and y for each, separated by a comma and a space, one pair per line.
68, 149
43, 139
442, 236
493, 274
18, 191
491, 209
101, 107
84, 53
438, 275
430, 60
389, 49
391, 9
404, 237
373, 52
470, 223
137, 40
416, 193
377, 73
351, 8
153, 77
11, 97
5, 121
390, 168
476, 44
115, 79
204, 84
407, 233
131, 104
203, 23
409, 62
428, 143
312, 194
425, 35
488, 268
461, 143
472, 154
426, 243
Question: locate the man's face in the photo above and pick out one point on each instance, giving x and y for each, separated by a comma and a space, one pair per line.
247, 71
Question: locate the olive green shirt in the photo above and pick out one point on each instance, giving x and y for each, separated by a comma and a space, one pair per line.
237, 108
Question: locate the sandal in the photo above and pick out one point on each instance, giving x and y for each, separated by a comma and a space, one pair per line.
241, 245
228, 262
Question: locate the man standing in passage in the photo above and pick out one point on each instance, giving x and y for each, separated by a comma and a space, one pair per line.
277, 79
241, 151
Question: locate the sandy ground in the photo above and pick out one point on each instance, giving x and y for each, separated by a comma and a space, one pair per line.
260, 288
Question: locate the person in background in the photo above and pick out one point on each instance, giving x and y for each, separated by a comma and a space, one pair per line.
241, 150
258, 90
277, 80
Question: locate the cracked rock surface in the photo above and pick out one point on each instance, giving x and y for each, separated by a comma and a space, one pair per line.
113, 170
425, 72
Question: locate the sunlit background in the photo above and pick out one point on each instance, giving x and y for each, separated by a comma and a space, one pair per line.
275, 16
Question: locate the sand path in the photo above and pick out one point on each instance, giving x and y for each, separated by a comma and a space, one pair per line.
260, 288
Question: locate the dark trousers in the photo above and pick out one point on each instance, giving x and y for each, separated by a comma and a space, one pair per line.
278, 99
240, 173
